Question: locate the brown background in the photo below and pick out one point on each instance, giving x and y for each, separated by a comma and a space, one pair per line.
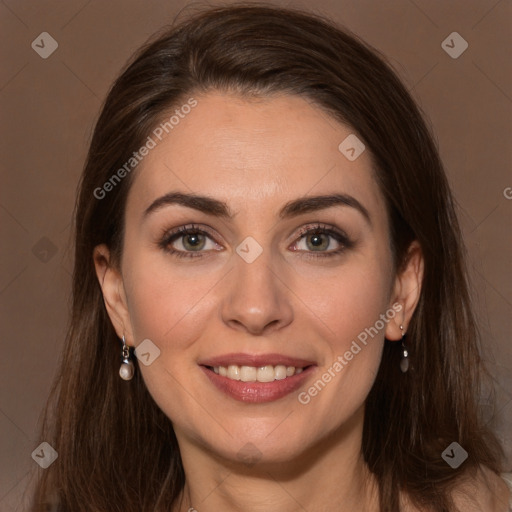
48, 107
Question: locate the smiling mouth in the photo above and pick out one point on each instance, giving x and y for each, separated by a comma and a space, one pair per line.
267, 373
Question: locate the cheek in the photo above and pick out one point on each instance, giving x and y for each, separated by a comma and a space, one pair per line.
170, 310
165, 304
354, 310
351, 303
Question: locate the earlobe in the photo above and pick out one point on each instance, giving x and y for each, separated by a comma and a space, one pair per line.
407, 291
111, 283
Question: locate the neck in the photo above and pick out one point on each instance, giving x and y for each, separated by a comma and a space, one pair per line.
330, 476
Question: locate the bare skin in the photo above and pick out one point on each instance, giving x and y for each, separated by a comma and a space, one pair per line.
256, 156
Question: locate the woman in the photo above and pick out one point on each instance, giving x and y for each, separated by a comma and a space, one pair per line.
270, 301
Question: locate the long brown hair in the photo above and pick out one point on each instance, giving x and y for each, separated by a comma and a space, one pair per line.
117, 449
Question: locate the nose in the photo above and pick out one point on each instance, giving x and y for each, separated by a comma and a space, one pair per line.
257, 300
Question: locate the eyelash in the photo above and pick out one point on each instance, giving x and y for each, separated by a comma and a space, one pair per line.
311, 229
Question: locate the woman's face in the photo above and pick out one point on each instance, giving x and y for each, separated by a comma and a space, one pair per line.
260, 285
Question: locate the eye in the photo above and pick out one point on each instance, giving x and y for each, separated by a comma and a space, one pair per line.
187, 241
318, 238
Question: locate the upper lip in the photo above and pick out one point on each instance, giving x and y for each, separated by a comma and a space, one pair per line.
255, 360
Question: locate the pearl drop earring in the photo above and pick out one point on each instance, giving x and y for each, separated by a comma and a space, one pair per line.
127, 368
404, 362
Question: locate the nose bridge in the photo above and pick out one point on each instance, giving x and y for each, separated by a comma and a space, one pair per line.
257, 300
256, 275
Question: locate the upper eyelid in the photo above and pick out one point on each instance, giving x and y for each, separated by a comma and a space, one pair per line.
322, 226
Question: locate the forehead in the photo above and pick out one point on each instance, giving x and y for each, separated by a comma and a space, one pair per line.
250, 152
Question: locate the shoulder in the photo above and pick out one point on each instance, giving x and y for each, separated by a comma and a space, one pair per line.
485, 491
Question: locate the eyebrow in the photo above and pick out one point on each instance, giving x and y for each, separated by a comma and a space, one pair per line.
296, 207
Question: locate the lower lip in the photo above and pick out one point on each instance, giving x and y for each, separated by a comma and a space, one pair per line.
258, 392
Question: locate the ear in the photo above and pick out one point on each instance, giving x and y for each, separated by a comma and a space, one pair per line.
112, 287
406, 291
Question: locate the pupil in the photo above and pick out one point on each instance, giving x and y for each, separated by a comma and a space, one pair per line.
194, 238
316, 240
193, 241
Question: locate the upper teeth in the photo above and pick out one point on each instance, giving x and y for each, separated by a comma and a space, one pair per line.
257, 374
